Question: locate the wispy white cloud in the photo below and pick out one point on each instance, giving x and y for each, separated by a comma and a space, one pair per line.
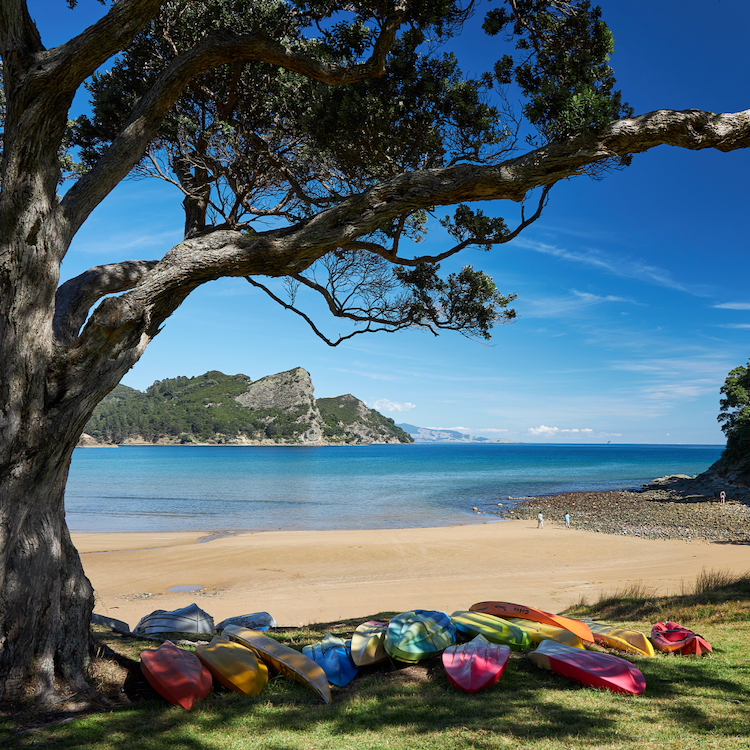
616, 265
597, 298
551, 431
384, 404
734, 306
735, 325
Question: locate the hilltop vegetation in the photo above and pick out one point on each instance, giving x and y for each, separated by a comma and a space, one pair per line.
232, 409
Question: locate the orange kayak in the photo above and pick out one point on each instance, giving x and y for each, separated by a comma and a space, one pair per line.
177, 675
522, 612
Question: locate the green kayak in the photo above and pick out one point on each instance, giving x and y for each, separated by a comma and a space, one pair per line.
494, 629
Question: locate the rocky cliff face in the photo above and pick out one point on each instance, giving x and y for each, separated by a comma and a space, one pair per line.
291, 393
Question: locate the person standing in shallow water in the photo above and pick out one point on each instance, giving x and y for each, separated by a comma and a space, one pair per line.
567, 520
540, 521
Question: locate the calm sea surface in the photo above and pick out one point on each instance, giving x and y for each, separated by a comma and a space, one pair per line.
381, 486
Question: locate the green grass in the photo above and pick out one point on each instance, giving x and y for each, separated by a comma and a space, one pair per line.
690, 702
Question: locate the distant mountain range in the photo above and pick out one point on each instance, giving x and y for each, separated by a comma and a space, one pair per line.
429, 435
219, 409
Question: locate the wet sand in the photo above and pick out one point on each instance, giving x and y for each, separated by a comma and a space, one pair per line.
303, 577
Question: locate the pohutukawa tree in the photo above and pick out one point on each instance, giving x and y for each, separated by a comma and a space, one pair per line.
310, 140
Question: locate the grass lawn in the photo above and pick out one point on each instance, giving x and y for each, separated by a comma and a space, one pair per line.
690, 702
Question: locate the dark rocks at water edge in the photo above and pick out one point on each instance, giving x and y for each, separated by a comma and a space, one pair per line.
669, 508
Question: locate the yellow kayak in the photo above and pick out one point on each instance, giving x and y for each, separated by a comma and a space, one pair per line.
288, 661
539, 631
367, 643
621, 638
233, 665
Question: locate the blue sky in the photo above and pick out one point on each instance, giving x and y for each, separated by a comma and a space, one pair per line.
633, 295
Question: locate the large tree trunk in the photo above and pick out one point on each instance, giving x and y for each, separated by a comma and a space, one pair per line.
45, 598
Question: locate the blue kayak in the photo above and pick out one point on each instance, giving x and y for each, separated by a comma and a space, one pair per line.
334, 656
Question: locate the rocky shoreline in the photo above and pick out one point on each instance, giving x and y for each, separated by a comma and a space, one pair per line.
677, 507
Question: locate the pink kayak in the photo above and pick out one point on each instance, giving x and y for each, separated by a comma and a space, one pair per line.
475, 665
176, 674
590, 668
670, 637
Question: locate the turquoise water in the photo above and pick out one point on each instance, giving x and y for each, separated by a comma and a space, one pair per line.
380, 486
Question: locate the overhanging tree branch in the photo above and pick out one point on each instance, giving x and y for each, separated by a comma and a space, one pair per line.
216, 49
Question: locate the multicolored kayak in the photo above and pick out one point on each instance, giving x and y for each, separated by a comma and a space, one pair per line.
507, 610
288, 661
475, 665
233, 665
419, 634
538, 632
590, 668
671, 637
494, 629
176, 674
621, 638
334, 657
367, 643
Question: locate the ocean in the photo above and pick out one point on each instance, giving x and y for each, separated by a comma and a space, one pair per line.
231, 488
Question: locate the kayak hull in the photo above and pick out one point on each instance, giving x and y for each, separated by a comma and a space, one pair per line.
475, 665
590, 668
508, 609
419, 634
670, 637
233, 665
290, 662
177, 675
622, 639
538, 632
367, 643
494, 629
334, 657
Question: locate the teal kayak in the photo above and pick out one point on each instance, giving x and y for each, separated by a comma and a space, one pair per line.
419, 634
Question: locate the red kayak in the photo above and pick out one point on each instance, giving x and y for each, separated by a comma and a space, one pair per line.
475, 665
670, 637
590, 668
522, 612
176, 674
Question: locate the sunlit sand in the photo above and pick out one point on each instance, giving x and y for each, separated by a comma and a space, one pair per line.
302, 577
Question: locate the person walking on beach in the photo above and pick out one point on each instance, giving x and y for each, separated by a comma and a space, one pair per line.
723, 497
540, 521
567, 520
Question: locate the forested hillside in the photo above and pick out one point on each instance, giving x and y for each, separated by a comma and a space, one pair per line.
219, 409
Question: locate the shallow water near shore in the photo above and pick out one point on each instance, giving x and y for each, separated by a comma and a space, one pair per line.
170, 488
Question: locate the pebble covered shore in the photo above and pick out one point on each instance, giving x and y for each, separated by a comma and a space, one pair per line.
676, 507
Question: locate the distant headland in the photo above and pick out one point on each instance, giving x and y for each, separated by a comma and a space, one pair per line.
219, 409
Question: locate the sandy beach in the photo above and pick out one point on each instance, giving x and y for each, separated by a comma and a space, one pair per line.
303, 577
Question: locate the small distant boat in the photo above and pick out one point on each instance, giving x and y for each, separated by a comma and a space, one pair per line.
419, 634
539, 631
591, 668
254, 621
494, 629
290, 662
507, 610
334, 657
233, 665
671, 637
623, 639
475, 665
176, 674
190, 619
367, 643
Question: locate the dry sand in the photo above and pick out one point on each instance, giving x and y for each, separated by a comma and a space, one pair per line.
303, 577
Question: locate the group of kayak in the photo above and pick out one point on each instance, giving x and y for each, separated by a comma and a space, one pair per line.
474, 646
